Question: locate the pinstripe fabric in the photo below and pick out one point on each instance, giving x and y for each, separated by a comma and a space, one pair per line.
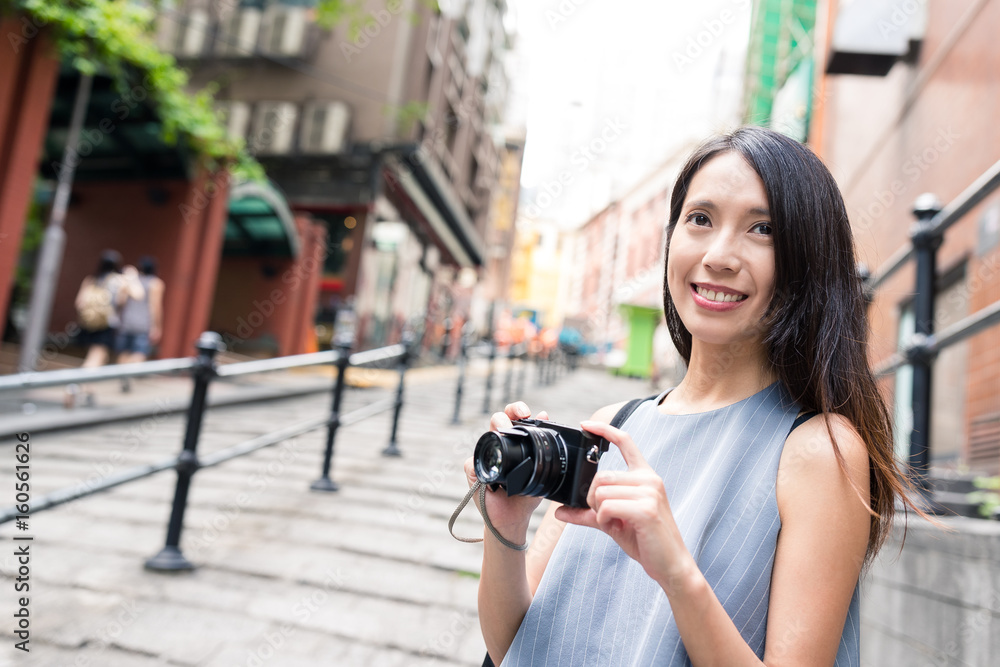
596, 606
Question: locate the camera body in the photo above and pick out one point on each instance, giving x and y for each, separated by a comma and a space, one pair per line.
536, 457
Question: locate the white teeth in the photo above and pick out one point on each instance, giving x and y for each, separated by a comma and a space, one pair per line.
718, 296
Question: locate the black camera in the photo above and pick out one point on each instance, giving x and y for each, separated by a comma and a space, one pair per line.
540, 458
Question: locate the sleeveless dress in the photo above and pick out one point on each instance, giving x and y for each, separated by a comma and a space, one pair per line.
597, 606
136, 317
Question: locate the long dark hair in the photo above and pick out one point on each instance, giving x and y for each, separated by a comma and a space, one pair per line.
109, 262
816, 324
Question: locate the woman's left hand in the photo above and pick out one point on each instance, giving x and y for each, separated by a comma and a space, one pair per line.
631, 506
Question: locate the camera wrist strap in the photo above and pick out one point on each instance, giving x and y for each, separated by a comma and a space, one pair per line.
479, 486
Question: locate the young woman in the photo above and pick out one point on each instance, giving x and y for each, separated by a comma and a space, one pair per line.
142, 317
731, 522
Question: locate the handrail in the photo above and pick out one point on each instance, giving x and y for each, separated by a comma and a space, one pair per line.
82, 490
277, 363
39, 379
203, 371
956, 333
981, 188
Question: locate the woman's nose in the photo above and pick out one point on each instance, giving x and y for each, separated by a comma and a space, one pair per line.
722, 254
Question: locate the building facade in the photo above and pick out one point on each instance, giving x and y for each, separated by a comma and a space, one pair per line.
384, 128
900, 112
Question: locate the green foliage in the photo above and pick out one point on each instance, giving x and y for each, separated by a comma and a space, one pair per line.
331, 13
988, 497
406, 115
114, 37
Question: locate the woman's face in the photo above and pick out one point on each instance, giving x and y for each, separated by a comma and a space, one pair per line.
720, 269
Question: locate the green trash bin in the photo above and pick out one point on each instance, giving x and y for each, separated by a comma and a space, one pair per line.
642, 322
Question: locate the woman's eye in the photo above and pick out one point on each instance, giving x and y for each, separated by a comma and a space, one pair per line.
763, 228
699, 219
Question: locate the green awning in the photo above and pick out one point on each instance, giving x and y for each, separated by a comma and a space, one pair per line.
259, 223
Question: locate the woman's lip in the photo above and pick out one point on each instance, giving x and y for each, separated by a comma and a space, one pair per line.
718, 288
715, 306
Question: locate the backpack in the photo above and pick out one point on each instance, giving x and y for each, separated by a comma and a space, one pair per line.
96, 306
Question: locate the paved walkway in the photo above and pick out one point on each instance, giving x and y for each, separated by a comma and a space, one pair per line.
287, 577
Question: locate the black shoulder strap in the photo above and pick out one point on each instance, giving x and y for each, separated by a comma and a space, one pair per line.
623, 414
802, 419
626, 410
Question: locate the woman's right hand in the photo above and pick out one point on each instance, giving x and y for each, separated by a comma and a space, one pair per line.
509, 514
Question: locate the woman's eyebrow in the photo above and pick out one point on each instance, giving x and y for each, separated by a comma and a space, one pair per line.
705, 203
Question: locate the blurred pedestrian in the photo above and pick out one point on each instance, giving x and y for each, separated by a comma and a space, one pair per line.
142, 317
98, 303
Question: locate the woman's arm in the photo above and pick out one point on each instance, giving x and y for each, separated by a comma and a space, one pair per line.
510, 578
155, 310
820, 548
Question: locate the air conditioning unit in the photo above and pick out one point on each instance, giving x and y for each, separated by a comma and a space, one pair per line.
283, 30
238, 33
324, 127
273, 128
193, 34
236, 117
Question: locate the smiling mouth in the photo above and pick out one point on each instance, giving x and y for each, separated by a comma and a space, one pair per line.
718, 297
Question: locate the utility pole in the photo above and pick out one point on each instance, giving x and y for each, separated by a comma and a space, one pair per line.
47, 273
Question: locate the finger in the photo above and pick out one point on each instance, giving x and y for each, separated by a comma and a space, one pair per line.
620, 439
616, 492
543, 415
518, 410
611, 478
470, 471
499, 421
626, 511
580, 516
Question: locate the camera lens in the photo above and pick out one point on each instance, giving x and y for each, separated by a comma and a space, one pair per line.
496, 455
526, 460
492, 462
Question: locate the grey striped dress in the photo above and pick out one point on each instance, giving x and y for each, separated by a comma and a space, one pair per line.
596, 606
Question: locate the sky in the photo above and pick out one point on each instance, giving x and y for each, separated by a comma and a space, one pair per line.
610, 89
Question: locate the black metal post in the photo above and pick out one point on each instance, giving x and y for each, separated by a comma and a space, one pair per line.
925, 245
446, 339
463, 352
509, 374
393, 448
170, 557
489, 376
324, 483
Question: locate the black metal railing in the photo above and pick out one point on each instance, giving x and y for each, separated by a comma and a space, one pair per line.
517, 357
204, 370
926, 236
